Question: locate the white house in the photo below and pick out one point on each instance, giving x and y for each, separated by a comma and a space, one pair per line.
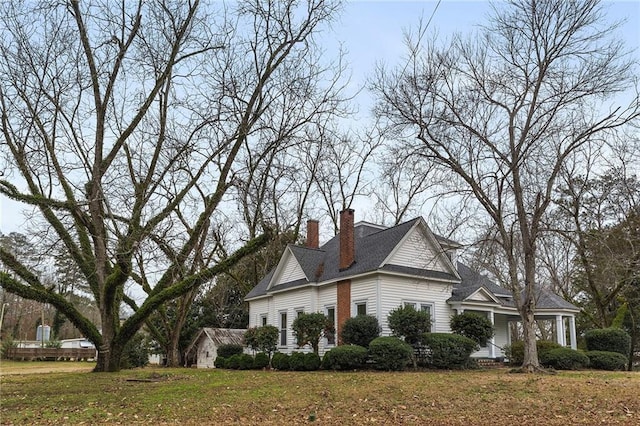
372, 269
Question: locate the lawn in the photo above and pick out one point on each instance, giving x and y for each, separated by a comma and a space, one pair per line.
189, 396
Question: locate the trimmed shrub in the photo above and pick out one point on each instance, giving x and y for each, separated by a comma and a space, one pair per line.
408, 323
229, 350
246, 362
233, 362
311, 361
515, 352
566, 359
345, 357
220, 362
451, 351
260, 361
390, 353
360, 330
608, 340
280, 361
296, 361
474, 326
603, 360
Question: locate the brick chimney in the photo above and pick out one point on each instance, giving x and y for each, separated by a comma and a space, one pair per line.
313, 234
347, 242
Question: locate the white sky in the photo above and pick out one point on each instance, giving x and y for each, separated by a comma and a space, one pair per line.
372, 31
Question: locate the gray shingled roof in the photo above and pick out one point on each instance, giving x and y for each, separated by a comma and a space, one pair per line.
372, 246
472, 281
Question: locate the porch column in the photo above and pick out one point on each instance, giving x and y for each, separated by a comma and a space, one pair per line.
572, 332
560, 331
492, 341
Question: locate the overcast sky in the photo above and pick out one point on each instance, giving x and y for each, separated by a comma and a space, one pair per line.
372, 31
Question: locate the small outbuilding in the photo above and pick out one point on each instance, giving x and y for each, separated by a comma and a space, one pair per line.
207, 341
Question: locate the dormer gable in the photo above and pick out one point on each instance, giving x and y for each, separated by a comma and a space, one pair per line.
482, 295
420, 249
288, 270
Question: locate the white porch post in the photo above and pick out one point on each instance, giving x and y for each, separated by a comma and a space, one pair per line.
560, 331
492, 341
572, 332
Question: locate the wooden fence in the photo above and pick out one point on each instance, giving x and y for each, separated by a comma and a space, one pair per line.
29, 354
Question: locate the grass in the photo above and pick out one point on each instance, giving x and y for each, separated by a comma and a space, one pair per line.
188, 396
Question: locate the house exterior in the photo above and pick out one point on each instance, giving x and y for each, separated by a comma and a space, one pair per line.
372, 269
208, 340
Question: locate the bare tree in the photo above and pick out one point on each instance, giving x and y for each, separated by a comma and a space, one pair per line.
128, 124
502, 112
343, 171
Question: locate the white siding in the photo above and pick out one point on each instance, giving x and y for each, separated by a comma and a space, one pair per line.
364, 290
257, 308
207, 353
327, 296
417, 251
290, 301
501, 337
290, 272
395, 290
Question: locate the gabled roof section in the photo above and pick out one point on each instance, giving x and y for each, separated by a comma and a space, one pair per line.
474, 283
421, 249
373, 244
288, 269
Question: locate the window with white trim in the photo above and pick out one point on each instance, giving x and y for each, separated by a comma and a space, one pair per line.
361, 308
283, 328
263, 320
330, 312
424, 307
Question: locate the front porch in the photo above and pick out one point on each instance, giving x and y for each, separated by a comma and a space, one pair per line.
505, 322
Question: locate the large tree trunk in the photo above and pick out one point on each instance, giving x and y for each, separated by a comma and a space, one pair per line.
109, 357
530, 363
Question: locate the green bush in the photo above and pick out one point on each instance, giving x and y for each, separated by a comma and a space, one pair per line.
515, 352
311, 361
296, 361
474, 326
280, 361
309, 328
220, 362
262, 339
451, 351
233, 362
345, 357
608, 340
246, 362
360, 330
229, 350
135, 353
7, 345
260, 361
603, 360
566, 359
408, 323
390, 353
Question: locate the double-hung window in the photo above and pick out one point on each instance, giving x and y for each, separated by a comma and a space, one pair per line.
283, 329
330, 312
